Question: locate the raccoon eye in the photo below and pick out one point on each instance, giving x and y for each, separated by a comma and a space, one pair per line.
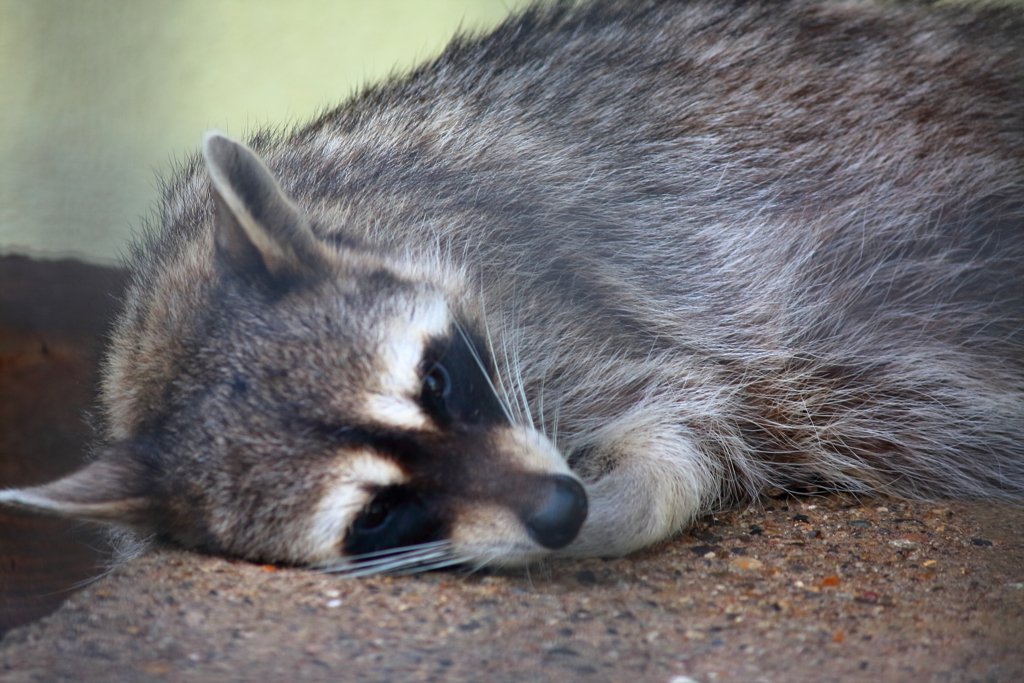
374, 516
436, 389
396, 517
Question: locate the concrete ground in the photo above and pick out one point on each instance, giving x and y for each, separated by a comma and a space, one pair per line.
821, 588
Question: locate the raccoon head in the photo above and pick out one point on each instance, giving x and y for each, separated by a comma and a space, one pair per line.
313, 404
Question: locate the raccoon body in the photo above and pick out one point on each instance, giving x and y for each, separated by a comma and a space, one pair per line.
577, 281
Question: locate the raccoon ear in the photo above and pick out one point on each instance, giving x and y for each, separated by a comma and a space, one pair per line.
111, 488
260, 234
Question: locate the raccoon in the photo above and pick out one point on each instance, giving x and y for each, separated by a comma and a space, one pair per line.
577, 281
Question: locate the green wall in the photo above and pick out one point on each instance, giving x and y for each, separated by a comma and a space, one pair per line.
98, 97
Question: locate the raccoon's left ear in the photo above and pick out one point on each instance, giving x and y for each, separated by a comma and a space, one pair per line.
112, 488
260, 234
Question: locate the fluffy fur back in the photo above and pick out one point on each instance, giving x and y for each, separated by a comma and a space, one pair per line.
707, 247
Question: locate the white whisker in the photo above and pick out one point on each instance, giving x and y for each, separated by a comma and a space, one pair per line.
483, 369
501, 396
408, 560
521, 386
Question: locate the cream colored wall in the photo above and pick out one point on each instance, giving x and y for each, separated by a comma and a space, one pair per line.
99, 96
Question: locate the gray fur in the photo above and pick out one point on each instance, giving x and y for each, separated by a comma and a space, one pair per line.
712, 247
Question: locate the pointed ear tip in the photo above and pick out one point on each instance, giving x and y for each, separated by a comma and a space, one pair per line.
216, 143
211, 134
31, 497
43, 499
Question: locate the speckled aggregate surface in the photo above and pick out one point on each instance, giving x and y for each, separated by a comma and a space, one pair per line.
793, 589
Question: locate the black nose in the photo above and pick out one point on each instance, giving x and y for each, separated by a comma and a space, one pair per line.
560, 513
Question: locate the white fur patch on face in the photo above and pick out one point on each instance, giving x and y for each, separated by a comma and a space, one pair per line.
533, 451
492, 535
396, 411
394, 402
352, 474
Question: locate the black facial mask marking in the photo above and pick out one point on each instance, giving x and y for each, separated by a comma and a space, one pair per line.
397, 516
457, 393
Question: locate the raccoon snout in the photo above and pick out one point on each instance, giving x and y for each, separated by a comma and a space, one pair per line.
557, 518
